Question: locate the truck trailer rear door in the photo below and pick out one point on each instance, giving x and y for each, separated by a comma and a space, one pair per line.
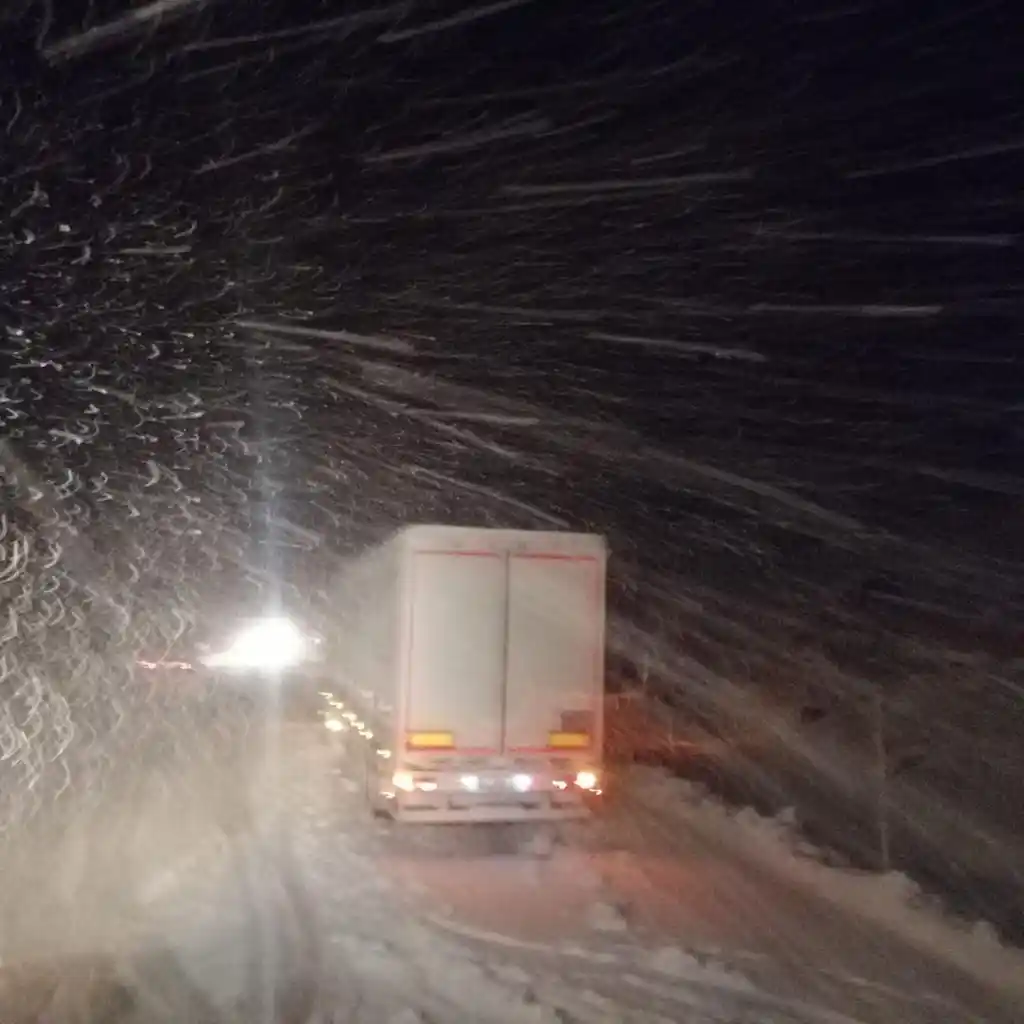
456, 670
554, 663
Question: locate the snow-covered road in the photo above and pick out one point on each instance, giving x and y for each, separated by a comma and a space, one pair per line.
656, 914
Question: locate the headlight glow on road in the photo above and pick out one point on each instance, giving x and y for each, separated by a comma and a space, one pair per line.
270, 645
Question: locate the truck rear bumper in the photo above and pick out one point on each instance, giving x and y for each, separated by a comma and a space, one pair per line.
484, 813
455, 806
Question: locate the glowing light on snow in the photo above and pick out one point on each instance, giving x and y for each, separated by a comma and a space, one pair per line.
270, 645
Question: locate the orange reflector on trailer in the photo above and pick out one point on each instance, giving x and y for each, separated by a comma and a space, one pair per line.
430, 740
569, 740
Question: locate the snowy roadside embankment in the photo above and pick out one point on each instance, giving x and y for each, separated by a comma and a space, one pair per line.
892, 902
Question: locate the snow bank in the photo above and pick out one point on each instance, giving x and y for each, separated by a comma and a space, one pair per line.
892, 901
684, 966
604, 917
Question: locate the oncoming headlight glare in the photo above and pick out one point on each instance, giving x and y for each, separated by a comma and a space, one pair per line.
269, 645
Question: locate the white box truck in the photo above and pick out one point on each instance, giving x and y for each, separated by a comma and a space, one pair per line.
467, 667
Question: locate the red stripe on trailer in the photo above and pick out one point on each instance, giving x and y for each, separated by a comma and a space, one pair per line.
538, 557
550, 750
463, 554
470, 751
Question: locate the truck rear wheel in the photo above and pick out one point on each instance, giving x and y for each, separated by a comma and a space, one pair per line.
380, 807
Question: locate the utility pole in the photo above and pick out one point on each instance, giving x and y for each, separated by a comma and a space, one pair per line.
881, 781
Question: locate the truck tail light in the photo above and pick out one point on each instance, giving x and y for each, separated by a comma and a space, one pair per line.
430, 740
568, 740
408, 783
588, 781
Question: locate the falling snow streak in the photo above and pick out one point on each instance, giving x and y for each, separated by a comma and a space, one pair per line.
737, 286
147, 17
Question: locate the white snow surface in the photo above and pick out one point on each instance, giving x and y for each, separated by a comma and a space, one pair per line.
402, 928
892, 901
381, 958
667, 908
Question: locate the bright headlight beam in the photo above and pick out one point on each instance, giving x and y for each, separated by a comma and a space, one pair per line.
269, 644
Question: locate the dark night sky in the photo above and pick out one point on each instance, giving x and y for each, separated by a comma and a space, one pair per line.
738, 284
